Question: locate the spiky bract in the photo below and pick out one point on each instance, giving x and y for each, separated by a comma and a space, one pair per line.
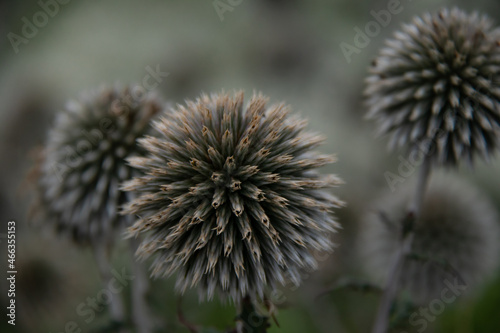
436, 87
455, 239
83, 162
230, 198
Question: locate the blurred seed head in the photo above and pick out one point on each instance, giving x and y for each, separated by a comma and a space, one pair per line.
458, 228
230, 199
83, 162
436, 86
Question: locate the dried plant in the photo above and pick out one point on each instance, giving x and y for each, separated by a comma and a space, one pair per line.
436, 87
79, 174
455, 238
83, 162
230, 199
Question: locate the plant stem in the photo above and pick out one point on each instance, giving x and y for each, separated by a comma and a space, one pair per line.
382, 320
423, 179
140, 311
116, 306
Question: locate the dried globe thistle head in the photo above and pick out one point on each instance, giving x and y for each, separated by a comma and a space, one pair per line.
83, 162
436, 87
455, 238
230, 198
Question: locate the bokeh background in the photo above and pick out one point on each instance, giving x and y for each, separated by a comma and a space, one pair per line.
289, 50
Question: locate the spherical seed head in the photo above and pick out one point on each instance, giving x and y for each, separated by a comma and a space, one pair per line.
436, 87
230, 199
457, 228
83, 162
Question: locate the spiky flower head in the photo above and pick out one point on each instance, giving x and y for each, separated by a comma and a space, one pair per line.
230, 199
455, 239
436, 87
83, 162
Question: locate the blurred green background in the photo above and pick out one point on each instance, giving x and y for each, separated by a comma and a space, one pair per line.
289, 50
